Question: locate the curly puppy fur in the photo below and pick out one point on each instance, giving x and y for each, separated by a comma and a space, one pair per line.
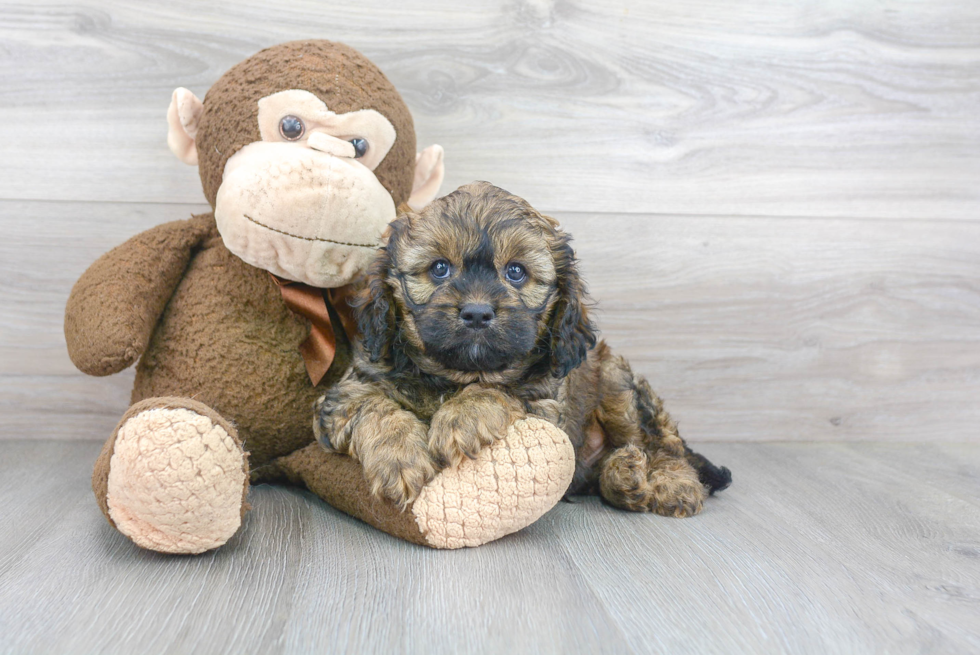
473, 317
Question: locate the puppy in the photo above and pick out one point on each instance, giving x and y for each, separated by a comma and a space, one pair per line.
473, 317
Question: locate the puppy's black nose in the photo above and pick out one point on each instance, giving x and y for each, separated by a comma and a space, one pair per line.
476, 316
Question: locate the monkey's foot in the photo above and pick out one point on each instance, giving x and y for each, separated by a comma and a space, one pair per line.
509, 485
173, 477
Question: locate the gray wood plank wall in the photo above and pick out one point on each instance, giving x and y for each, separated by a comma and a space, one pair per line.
776, 204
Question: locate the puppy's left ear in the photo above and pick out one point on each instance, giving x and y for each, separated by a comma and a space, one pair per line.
375, 309
572, 331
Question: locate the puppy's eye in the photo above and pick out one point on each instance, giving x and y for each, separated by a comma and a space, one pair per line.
515, 274
291, 128
360, 147
440, 269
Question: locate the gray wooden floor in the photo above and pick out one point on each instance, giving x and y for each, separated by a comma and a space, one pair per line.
816, 548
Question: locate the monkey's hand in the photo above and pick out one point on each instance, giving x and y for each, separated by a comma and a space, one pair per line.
115, 305
470, 420
359, 420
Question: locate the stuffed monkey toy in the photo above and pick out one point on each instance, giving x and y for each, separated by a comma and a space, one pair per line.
237, 319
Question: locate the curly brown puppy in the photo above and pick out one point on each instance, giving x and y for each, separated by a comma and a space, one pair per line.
474, 316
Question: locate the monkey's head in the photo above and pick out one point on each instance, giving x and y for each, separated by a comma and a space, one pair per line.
305, 151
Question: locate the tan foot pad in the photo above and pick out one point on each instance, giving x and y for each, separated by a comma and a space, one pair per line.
508, 486
175, 481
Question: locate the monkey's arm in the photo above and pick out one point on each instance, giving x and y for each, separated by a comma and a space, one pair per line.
116, 303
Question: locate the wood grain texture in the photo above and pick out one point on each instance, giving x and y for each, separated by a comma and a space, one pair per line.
776, 207
821, 548
751, 328
763, 329
765, 108
816, 548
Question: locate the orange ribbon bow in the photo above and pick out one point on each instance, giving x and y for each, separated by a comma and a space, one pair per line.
314, 304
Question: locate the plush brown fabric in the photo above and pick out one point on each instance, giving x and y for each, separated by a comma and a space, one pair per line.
227, 339
337, 74
100, 473
114, 306
203, 324
507, 486
339, 480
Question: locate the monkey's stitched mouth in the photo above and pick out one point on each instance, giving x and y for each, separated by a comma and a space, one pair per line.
297, 236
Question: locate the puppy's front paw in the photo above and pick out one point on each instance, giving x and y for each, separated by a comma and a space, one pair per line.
462, 427
400, 478
454, 438
548, 409
397, 464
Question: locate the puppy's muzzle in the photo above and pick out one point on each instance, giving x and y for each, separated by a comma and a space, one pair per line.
476, 316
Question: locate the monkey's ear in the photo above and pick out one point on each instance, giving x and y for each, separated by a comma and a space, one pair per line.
429, 171
374, 308
183, 117
573, 333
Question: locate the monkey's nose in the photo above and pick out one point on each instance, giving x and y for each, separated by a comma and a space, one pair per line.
330, 145
476, 316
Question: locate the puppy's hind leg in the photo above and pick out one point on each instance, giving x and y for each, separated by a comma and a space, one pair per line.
659, 429
635, 480
650, 468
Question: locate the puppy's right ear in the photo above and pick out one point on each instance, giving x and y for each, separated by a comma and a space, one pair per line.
375, 309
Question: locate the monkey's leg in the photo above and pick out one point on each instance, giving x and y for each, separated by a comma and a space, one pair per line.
509, 485
339, 480
173, 476
651, 468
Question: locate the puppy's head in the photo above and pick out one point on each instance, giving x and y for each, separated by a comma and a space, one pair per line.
477, 283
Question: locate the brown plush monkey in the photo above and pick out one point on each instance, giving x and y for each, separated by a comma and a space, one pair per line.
236, 318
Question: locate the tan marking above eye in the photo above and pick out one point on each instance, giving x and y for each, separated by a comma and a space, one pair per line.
365, 124
418, 261
429, 243
528, 248
537, 264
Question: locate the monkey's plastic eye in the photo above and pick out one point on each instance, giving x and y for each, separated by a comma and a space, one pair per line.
360, 147
291, 128
440, 269
515, 274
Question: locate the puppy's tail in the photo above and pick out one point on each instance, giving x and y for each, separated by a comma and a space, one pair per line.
715, 478
654, 420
